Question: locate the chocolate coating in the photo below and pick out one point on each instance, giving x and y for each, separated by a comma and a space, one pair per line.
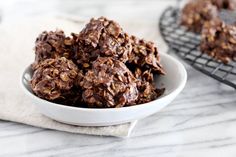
146, 75
109, 84
54, 78
224, 4
101, 37
52, 45
73, 97
219, 40
147, 90
145, 56
196, 13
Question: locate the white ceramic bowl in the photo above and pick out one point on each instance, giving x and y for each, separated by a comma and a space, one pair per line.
174, 82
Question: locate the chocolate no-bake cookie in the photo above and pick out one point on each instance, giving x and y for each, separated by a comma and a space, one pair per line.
219, 40
52, 45
196, 13
146, 75
101, 37
146, 86
224, 4
148, 92
145, 56
72, 97
54, 78
109, 84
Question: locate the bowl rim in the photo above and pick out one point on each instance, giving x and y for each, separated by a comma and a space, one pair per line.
173, 92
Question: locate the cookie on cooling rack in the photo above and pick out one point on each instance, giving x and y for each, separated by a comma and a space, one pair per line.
196, 13
218, 40
224, 4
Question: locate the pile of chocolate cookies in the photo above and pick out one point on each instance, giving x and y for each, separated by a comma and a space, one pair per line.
100, 67
217, 37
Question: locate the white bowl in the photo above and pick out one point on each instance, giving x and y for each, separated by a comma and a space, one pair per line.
174, 82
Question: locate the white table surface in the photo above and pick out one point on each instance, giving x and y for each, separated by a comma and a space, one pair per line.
200, 122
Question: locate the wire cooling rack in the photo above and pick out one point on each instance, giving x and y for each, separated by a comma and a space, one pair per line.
186, 45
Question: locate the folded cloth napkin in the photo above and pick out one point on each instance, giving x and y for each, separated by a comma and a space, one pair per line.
16, 53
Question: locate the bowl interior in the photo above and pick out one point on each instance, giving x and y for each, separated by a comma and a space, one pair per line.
26, 77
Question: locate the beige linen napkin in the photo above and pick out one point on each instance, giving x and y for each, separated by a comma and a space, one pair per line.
16, 52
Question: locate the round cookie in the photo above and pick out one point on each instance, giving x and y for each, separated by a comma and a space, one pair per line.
219, 40
109, 84
52, 45
145, 56
53, 78
101, 37
196, 13
224, 4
